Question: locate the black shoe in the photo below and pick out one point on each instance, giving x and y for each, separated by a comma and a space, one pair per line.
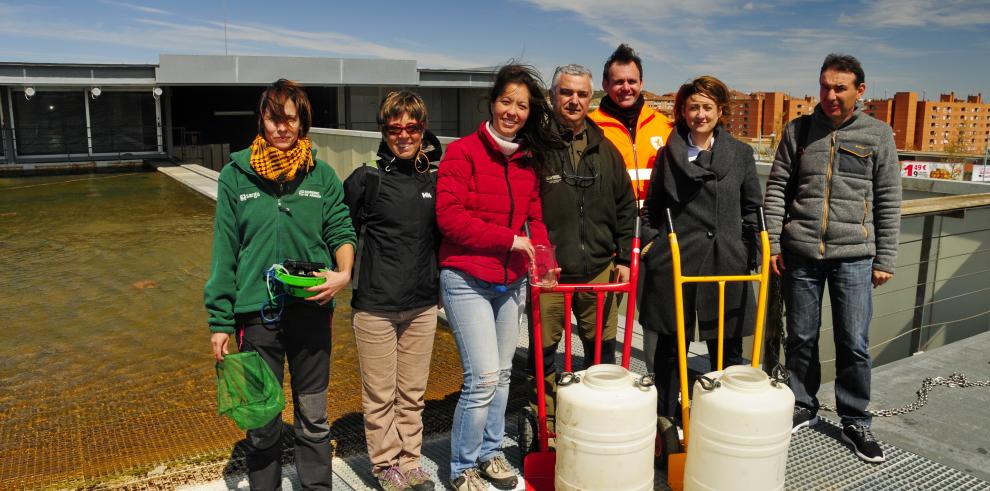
498, 472
803, 418
863, 442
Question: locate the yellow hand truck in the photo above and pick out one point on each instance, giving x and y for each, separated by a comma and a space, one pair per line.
676, 452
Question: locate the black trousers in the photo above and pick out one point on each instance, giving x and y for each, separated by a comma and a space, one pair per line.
301, 336
666, 369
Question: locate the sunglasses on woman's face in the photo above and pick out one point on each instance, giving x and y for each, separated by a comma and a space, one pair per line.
411, 128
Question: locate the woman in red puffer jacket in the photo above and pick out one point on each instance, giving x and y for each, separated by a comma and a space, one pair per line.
487, 190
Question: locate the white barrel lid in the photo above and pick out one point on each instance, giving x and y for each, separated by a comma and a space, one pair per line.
607, 377
744, 377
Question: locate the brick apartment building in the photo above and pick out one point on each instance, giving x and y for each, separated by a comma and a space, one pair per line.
761, 114
948, 124
663, 103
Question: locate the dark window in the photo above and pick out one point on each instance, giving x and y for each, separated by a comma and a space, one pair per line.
123, 122
50, 123
3, 127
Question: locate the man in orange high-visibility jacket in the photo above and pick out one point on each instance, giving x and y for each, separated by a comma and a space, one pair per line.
638, 131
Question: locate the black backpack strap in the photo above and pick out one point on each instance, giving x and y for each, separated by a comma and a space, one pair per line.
804, 130
372, 183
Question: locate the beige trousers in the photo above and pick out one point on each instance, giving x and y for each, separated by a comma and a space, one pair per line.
394, 350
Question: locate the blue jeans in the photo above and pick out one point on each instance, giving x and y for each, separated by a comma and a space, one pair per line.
850, 290
485, 323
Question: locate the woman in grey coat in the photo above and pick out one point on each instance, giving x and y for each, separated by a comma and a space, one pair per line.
708, 180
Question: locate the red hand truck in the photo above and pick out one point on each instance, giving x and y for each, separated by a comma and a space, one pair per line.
538, 466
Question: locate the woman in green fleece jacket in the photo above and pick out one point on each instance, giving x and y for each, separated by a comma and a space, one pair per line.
276, 202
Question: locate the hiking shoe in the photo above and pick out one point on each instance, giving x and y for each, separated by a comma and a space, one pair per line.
863, 442
419, 480
498, 472
803, 418
392, 479
469, 481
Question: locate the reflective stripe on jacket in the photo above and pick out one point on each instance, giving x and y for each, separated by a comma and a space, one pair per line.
652, 130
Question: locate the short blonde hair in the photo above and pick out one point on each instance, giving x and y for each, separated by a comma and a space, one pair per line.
400, 102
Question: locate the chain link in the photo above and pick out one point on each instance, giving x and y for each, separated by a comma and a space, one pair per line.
955, 380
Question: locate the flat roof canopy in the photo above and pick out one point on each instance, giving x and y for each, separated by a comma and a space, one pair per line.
220, 70
263, 70
75, 74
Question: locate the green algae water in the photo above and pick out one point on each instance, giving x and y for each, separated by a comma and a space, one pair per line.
105, 366
106, 362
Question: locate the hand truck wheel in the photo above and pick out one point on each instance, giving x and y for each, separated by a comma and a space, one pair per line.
526, 431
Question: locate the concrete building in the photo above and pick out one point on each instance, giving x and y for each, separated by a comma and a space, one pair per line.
84, 112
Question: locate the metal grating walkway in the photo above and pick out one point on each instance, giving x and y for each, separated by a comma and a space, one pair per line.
817, 459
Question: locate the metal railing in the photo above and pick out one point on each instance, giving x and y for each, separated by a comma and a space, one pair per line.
346, 150
939, 293
71, 143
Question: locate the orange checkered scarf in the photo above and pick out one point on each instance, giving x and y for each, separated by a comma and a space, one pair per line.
276, 165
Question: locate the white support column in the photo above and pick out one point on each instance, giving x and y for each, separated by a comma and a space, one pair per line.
89, 130
158, 122
13, 131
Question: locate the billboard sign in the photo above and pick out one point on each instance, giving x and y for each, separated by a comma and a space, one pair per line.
981, 173
932, 170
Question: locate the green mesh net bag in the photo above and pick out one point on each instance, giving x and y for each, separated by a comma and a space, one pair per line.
247, 390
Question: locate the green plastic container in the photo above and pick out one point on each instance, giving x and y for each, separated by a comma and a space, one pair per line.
297, 285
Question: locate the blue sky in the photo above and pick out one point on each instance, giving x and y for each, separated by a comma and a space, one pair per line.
925, 46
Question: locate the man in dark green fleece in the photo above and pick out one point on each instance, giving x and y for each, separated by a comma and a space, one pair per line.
276, 202
590, 211
833, 208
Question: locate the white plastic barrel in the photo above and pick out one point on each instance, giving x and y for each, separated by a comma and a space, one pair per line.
606, 427
740, 431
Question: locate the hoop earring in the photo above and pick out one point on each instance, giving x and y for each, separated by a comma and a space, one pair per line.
421, 155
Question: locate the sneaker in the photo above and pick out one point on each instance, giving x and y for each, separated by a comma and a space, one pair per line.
803, 418
419, 480
392, 479
498, 472
469, 481
863, 442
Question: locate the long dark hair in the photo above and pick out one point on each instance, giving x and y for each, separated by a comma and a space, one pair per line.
536, 134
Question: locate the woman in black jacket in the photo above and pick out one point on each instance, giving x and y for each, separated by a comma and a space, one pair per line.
708, 180
395, 287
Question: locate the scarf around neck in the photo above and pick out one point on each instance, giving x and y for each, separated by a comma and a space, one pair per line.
627, 116
275, 165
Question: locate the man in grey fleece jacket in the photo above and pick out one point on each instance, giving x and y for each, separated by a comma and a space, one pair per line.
833, 206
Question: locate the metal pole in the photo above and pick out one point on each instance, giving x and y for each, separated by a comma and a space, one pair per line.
986, 150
